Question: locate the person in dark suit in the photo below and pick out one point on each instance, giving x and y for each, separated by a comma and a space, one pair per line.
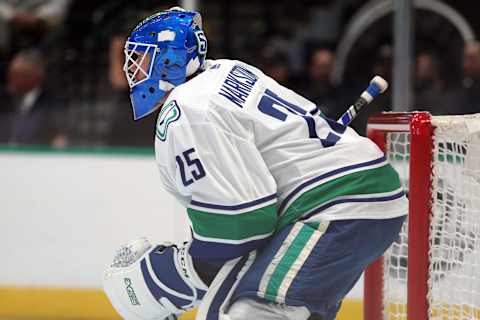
29, 112
471, 79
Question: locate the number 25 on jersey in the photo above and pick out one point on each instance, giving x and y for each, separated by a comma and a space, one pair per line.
187, 161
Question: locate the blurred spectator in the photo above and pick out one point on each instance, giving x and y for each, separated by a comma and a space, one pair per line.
321, 66
27, 21
471, 78
319, 87
29, 110
431, 91
471, 62
382, 66
88, 55
276, 65
428, 76
315, 22
25, 24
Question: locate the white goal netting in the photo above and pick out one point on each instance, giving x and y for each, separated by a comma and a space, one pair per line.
454, 253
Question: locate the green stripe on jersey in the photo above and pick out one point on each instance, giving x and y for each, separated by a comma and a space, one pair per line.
234, 226
287, 261
371, 181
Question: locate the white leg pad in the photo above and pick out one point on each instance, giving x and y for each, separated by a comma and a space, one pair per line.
247, 309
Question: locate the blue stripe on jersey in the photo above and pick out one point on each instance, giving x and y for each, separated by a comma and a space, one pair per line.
345, 200
205, 250
327, 175
213, 312
234, 207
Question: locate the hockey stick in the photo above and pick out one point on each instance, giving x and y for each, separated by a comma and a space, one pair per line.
377, 86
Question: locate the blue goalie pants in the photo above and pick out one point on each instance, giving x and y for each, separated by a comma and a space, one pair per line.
316, 265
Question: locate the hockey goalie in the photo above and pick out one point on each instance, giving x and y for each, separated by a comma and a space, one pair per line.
287, 207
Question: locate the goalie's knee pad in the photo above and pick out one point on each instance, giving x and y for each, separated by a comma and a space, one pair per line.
245, 309
152, 282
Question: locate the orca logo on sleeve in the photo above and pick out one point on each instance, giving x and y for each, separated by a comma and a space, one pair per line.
170, 113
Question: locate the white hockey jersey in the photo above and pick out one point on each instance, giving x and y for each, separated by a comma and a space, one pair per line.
247, 156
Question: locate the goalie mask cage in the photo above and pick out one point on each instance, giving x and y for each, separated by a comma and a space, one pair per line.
432, 271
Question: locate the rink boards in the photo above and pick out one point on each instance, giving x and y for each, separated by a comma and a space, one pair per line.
65, 213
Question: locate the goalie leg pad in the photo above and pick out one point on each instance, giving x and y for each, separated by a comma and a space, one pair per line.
246, 309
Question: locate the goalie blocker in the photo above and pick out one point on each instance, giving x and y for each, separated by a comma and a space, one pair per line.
147, 282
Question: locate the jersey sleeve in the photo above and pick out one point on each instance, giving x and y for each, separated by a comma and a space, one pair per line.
232, 202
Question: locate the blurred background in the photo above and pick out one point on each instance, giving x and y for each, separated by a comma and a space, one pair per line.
62, 84
77, 173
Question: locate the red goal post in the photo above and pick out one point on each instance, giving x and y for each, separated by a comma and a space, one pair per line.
419, 126
433, 270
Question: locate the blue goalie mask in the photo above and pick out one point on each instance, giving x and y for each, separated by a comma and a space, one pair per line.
161, 52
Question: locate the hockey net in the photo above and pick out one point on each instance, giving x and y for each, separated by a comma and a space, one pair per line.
432, 271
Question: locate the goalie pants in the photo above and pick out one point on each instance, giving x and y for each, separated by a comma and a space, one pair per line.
313, 266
